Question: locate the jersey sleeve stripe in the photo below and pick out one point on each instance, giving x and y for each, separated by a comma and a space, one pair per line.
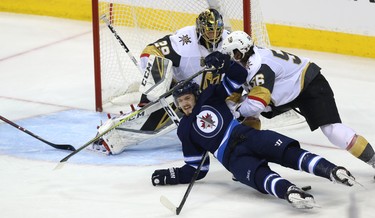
258, 99
230, 85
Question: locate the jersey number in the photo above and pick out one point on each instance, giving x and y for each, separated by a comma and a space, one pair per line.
286, 56
163, 47
257, 80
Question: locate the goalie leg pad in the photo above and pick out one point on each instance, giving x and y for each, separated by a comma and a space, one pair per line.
157, 77
136, 129
114, 141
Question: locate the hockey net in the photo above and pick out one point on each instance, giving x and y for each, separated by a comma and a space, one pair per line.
141, 22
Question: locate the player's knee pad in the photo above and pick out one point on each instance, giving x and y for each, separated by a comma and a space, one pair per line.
338, 134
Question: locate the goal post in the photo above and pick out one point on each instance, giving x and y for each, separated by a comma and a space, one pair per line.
141, 22
96, 50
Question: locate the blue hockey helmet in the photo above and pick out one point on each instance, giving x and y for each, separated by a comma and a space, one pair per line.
187, 88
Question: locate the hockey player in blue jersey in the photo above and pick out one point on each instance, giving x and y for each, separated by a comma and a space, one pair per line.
209, 125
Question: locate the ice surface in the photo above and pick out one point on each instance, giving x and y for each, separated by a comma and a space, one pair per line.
46, 86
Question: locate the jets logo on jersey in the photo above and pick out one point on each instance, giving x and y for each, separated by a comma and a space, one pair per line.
185, 39
209, 122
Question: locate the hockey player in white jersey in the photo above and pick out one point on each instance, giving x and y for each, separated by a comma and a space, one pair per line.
170, 59
186, 49
279, 81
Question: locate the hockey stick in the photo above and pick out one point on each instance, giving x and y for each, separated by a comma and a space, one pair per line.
168, 204
165, 105
122, 43
58, 146
129, 117
171, 113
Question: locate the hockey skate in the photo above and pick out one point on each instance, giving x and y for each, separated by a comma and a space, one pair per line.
342, 176
300, 199
100, 147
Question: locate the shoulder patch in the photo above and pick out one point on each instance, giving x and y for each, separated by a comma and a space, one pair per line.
185, 39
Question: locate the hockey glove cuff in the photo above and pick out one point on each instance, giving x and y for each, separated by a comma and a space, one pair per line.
165, 176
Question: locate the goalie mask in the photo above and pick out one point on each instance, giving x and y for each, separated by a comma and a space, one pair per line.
188, 88
237, 41
210, 26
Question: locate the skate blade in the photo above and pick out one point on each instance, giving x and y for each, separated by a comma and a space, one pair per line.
352, 180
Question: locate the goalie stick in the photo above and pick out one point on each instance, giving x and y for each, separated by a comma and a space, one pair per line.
145, 73
130, 116
122, 43
168, 204
57, 146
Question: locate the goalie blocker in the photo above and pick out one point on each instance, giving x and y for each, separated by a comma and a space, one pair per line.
153, 122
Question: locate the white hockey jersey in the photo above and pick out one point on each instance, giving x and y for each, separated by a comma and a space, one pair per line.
186, 53
274, 76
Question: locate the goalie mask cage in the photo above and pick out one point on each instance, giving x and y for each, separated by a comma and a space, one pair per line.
141, 22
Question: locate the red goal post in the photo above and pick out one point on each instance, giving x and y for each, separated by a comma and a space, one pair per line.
141, 22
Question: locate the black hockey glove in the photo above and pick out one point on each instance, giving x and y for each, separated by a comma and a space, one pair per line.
163, 177
275, 111
268, 114
218, 60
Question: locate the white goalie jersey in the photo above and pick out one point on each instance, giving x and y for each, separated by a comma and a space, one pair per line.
185, 52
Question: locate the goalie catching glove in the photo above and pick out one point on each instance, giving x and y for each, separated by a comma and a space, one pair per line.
164, 177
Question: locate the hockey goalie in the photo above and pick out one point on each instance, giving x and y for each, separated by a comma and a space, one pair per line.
176, 56
141, 124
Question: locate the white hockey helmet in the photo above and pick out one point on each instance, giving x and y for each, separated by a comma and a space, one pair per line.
237, 40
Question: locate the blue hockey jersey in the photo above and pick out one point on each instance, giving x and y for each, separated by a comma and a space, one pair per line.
209, 125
